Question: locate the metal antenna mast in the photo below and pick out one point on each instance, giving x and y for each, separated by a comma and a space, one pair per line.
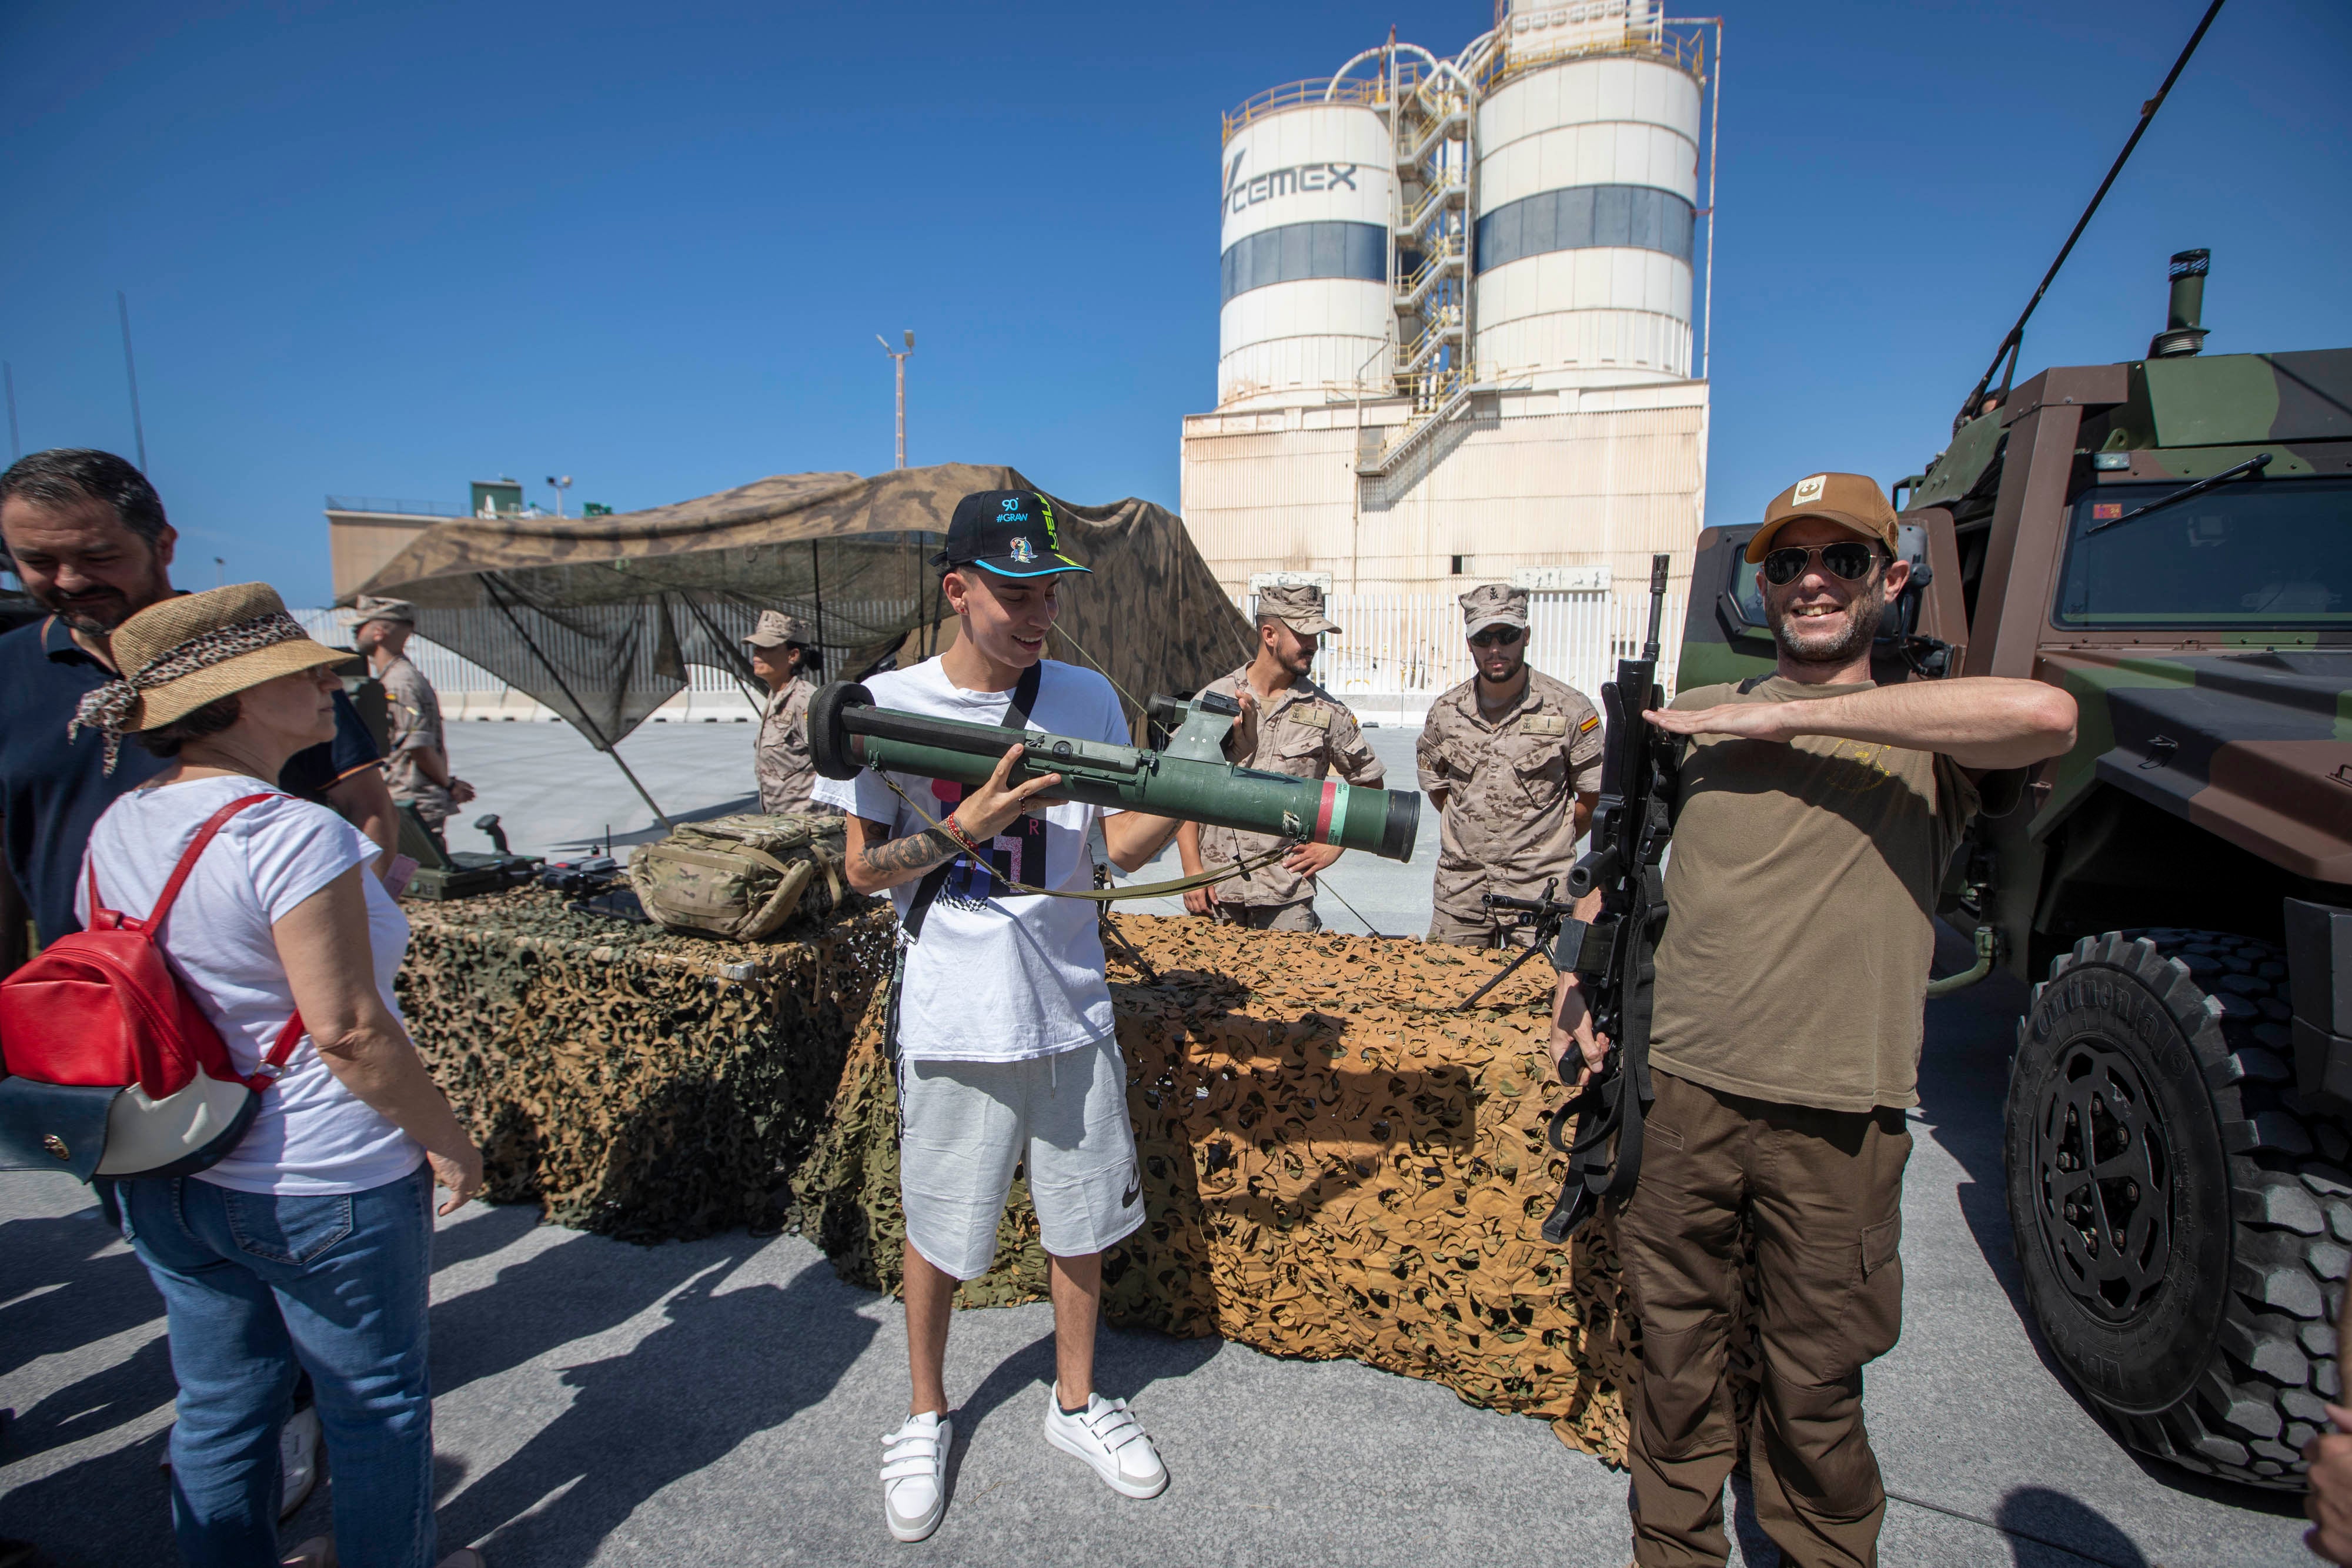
899, 358
2010, 344
131, 369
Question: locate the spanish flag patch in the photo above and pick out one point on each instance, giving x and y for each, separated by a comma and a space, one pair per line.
1591, 722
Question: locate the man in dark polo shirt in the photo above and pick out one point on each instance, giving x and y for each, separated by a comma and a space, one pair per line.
1818, 811
86, 536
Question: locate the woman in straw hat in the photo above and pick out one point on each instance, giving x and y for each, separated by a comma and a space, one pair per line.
308, 1247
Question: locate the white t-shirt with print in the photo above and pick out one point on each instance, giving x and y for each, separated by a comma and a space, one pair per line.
312, 1136
997, 976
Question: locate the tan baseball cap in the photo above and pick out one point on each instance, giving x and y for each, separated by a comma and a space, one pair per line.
776, 628
1297, 605
368, 606
1850, 500
1493, 604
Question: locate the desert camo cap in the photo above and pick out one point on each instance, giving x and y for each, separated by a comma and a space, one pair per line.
1493, 604
1297, 605
776, 629
369, 607
1850, 500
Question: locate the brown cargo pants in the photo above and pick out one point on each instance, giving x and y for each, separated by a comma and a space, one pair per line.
1823, 1190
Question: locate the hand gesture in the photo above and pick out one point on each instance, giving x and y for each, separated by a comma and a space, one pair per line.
2329, 1502
461, 1174
1240, 742
1748, 721
1308, 859
987, 811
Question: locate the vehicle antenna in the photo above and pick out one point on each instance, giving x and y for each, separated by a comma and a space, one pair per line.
2010, 345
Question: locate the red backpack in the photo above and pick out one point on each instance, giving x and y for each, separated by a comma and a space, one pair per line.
111, 1069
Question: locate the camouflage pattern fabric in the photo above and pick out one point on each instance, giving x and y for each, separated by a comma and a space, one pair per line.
414, 709
1333, 1166
1511, 784
1299, 917
1306, 733
628, 1080
599, 617
781, 763
741, 877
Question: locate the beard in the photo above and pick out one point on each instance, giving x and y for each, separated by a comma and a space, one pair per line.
91, 614
1863, 613
1508, 677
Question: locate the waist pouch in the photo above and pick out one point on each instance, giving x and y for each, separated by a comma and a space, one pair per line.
740, 877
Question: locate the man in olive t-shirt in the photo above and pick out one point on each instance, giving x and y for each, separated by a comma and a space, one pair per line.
1818, 811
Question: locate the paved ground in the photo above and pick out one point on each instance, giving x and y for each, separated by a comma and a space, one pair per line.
718, 1401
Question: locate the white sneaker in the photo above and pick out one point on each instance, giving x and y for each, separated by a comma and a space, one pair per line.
1107, 1436
298, 1459
915, 1475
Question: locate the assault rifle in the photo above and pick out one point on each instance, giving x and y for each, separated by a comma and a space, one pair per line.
1611, 954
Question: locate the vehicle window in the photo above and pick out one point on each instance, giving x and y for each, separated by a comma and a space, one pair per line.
2269, 553
1747, 587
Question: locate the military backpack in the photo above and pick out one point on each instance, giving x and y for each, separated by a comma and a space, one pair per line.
739, 877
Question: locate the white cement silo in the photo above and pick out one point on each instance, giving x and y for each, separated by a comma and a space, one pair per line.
1587, 198
1307, 195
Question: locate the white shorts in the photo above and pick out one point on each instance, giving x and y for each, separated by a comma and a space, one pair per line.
963, 1125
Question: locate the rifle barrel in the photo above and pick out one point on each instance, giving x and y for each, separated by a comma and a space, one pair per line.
1657, 613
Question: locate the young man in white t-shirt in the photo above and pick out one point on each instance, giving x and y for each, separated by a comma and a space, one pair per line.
1006, 1053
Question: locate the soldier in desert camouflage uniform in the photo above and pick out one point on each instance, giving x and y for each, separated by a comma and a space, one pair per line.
1512, 759
784, 655
1295, 727
418, 765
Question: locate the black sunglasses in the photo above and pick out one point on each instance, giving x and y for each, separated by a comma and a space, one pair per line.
1498, 637
1847, 559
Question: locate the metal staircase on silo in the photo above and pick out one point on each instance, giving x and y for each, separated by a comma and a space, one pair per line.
1433, 116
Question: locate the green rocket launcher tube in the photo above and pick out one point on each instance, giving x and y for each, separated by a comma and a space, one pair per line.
1187, 779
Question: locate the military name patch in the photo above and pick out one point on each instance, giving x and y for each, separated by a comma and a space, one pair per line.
1312, 718
1546, 724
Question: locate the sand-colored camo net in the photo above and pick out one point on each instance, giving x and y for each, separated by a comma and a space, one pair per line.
1335, 1164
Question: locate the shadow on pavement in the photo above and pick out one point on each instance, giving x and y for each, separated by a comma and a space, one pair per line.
2048, 1529
665, 1410
569, 1291
92, 1297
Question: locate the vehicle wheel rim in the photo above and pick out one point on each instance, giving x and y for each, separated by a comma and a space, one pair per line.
2103, 1179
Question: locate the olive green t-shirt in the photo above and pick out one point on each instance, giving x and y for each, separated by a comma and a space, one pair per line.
1800, 897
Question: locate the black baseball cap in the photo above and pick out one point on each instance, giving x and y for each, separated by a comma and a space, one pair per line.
1009, 532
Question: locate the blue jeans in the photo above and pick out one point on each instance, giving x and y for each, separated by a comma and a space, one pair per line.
259, 1289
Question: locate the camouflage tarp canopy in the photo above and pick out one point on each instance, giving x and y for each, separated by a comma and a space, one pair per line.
599, 617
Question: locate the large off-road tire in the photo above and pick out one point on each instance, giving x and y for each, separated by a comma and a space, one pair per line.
2180, 1220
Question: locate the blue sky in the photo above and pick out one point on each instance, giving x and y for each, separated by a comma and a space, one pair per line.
384, 249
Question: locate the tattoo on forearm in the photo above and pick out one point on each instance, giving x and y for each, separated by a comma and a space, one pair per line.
920, 852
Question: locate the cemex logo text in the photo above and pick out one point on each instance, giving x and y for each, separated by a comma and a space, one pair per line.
1241, 194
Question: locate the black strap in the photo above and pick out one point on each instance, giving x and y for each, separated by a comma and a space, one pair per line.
1016, 716
1751, 682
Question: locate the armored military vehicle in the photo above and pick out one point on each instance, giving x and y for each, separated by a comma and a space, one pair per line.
2170, 540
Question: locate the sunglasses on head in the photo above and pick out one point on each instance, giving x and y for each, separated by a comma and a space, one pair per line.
1498, 637
1848, 559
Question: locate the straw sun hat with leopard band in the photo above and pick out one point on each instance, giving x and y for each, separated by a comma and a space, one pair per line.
183, 653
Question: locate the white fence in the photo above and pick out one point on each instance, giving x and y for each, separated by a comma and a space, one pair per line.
1396, 652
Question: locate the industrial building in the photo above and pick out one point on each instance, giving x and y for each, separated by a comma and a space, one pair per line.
1455, 342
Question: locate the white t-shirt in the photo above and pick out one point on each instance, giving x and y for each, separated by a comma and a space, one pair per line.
997, 976
312, 1136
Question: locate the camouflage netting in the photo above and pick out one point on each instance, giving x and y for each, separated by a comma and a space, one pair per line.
632, 1082
1334, 1165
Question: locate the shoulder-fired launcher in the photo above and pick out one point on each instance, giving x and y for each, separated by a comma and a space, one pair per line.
1189, 779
